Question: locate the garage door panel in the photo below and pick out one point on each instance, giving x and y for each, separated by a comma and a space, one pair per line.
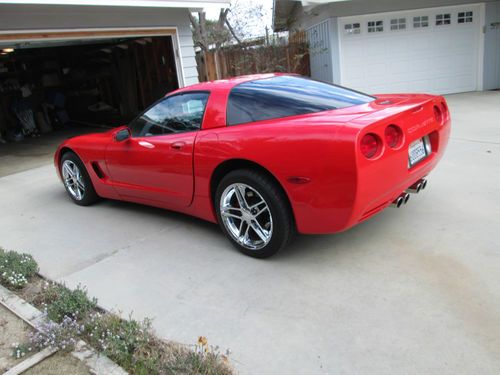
421, 85
435, 59
399, 67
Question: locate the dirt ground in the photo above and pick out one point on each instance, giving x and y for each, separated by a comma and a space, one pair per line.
12, 330
59, 363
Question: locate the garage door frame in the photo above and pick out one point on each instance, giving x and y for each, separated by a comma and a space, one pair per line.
20, 36
405, 13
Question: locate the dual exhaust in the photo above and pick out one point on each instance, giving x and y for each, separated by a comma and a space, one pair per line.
417, 186
404, 197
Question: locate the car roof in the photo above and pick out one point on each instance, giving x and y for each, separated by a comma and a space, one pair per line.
226, 84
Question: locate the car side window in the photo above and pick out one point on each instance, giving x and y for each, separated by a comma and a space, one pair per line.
176, 114
283, 96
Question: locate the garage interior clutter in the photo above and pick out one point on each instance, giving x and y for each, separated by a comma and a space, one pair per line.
47, 86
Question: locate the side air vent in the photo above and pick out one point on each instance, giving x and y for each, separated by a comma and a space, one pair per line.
97, 169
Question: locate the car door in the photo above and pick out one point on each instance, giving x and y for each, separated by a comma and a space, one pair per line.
155, 163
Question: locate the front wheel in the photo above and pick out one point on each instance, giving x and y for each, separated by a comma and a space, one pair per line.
76, 180
254, 213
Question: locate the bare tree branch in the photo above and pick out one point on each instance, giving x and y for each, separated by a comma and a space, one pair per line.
232, 32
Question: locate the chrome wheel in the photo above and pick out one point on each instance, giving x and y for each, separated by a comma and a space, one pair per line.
73, 179
246, 216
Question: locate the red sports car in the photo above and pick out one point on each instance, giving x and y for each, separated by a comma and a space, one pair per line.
265, 156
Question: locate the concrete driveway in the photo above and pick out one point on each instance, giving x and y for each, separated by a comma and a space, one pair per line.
412, 291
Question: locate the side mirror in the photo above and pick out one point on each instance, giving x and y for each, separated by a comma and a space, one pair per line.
122, 135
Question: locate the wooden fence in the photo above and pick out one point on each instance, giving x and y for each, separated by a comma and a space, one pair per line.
259, 56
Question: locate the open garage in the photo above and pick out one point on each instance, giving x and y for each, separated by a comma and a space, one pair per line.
46, 85
73, 67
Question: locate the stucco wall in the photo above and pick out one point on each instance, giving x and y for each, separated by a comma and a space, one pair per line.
33, 17
491, 75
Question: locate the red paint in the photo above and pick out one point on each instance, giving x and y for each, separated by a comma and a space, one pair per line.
343, 186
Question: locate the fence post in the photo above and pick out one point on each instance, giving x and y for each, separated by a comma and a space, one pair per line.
217, 65
287, 50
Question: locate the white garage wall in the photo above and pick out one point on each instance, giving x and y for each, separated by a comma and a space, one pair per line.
40, 17
492, 47
435, 59
320, 51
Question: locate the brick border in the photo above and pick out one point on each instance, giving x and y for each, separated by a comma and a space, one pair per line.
98, 363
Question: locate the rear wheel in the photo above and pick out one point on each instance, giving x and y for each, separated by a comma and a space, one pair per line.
253, 213
76, 180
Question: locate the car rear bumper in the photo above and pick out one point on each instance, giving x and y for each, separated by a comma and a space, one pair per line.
375, 185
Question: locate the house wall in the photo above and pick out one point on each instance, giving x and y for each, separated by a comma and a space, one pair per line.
38, 17
491, 70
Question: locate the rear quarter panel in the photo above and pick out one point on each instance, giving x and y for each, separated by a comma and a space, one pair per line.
314, 147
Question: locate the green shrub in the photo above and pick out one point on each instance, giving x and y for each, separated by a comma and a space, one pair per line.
61, 336
133, 346
16, 269
61, 301
117, 338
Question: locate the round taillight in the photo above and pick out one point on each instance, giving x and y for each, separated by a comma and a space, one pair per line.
370, 145
393, 136
438, 115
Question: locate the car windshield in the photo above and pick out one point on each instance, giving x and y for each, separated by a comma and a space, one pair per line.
284, 96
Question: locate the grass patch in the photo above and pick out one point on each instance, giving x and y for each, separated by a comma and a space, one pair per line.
16, 269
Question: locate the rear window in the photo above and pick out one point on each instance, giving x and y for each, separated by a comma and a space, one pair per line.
285, 96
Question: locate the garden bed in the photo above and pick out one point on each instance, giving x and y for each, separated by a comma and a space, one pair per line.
12, 331
59, 363
70, 316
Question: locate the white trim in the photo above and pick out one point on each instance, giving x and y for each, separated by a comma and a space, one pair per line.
480, 63
126, 3
179, 67
339, 57
94, 29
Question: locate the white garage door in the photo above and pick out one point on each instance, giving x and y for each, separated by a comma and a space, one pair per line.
429, 50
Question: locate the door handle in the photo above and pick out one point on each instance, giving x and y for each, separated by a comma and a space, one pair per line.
177, 145
146, 144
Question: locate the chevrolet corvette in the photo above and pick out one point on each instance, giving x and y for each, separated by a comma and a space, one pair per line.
264, 156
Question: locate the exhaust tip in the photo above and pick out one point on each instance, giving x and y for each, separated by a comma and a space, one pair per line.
417, 187
399, 202
406, 198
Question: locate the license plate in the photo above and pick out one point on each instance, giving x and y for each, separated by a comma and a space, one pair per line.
417, 152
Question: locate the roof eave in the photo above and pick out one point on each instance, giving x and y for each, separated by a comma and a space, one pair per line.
128, 3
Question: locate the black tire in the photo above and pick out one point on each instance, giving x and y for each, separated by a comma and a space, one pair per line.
89, 196
279, 210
